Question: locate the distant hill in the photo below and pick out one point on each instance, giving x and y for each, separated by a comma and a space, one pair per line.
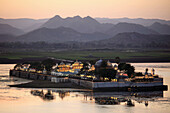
7, 38
66, 38
129, 27
61, 34
136, 40
141, 21
83, 25
24, 23
7, 29
160, 28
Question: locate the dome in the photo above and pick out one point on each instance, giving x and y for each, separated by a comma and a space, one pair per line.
98, 63
62, 63
109, 63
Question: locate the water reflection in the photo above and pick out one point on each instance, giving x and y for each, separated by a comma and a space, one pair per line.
103, 98
107, 100
130, 103
19, 100
45, 96
116, 98
63, 94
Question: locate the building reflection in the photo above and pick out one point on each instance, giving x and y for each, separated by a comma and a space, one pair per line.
127, 98
63, 94
107, 100
104, 98
45, 96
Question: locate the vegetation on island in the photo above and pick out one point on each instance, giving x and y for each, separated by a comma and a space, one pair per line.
127, 68
39, 66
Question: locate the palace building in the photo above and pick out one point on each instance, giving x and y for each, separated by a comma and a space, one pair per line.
77, 65
64, 67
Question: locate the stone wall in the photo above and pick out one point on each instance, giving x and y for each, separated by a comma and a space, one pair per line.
30, 75
84, 83
92, 85
59, 80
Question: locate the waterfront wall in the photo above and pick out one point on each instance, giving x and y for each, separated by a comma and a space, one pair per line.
59, 80
126, 84
30, 75
86, 84
110, 84
107, 86
52, 78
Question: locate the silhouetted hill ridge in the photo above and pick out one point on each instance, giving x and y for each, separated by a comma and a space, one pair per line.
7, 29
129, 27
160, 28
61, 34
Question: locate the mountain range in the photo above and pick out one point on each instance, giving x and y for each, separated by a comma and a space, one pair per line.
7, 38
160, 28
87, 29
7, 29
83, 25
24, 24
121, 40
59, 35
141, 21
134, 39
129, 27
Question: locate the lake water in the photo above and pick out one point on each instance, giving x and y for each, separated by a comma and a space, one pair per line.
20, 100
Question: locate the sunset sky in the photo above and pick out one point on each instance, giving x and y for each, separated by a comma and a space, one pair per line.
94, 8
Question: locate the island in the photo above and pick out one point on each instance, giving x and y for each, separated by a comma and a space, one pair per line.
99, 76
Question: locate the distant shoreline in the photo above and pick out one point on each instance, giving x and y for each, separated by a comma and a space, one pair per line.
131, 60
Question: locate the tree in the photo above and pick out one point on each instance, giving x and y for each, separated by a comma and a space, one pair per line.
117, 60
103, 64
48, 64
121, 66
17, 65
106, 72
146, 71
111, 73
130, 71
127, 68
139, 74
92, 62
37, 66
40, 66
85, 68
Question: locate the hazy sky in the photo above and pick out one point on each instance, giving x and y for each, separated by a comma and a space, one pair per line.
95, 8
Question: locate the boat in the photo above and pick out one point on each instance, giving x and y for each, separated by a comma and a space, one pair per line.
48, 95
146, 103
37, 92
129, 103
106, 101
